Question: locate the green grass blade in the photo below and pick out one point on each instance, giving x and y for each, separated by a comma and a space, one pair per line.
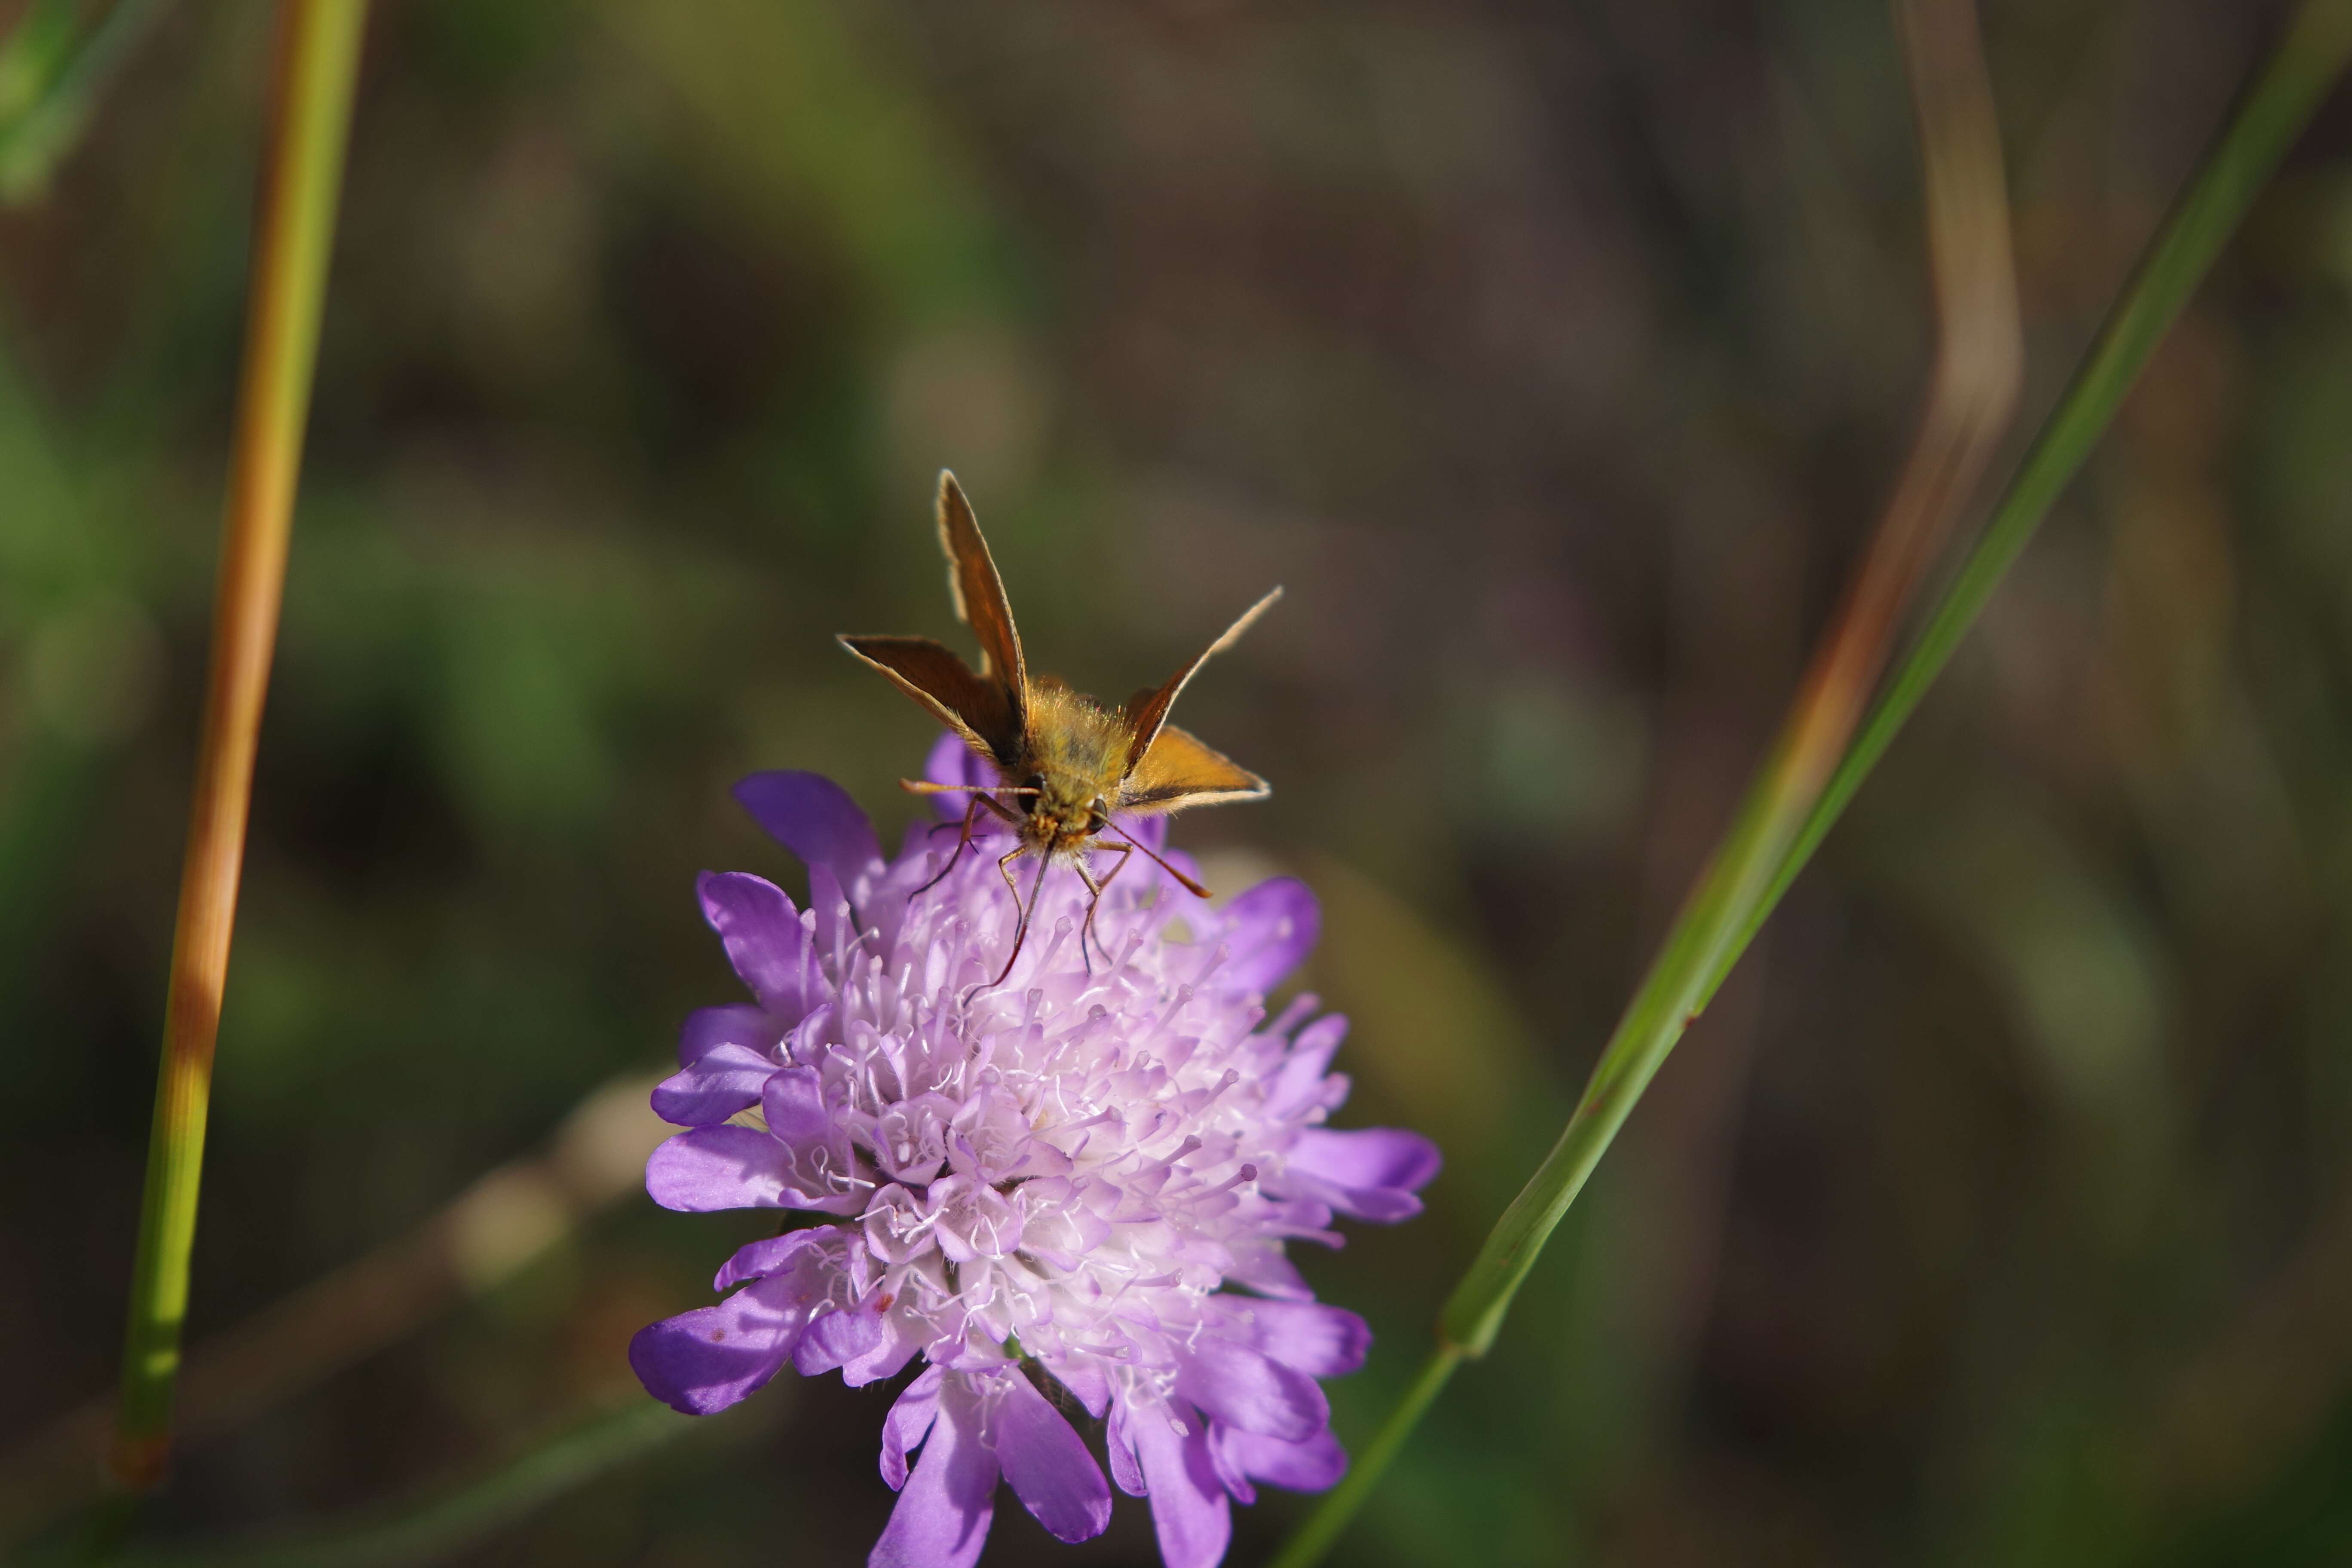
50, 87
1757, 862
37, 52
1322, 1528
2272, 114
311, 91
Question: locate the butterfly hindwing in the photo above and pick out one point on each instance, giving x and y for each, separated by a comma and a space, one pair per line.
1179, 771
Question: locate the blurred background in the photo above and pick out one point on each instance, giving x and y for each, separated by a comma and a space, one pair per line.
1556, 358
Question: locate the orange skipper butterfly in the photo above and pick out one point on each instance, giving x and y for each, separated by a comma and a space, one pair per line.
1064, 762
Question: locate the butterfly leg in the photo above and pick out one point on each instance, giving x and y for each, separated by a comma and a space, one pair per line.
1020, 932
1096, 888
963, 841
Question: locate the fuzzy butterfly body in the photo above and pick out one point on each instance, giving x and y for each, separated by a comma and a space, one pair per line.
1064, 762
1077, 759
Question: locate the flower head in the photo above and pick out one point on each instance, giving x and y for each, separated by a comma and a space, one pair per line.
1067, 1191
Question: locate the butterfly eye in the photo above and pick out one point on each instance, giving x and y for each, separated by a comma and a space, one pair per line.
1097, 815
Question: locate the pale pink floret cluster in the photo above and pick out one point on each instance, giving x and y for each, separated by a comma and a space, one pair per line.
1069, 1193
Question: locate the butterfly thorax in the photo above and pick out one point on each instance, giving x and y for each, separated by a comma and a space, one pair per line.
1076, 753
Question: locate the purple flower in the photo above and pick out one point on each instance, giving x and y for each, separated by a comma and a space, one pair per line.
1047, 1189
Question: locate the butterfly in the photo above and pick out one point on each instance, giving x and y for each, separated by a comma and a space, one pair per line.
1065, 763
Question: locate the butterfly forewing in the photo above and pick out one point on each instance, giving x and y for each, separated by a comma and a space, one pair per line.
980, 594
1179, 771
974, 706
1147, 710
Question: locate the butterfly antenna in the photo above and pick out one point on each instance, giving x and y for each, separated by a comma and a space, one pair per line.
1190, 886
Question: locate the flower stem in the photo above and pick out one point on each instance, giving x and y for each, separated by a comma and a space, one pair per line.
1972, 392
311, 87
1795, 798
1322, 1528
2293, 85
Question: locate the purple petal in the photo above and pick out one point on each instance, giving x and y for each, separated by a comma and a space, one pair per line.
943, 1512
909, 1419
707, 1360
1269, 930
765, 940
771, 1255
1087, 1382
1262, 1267
829, 907
892, 1350
1369, 1157
1152, 832
836, 1338
1048, 1464
1318, 1340
815, 818
1252, 1391
793, 1100
723, 1080
1300, 1084
1120, 1442
720, 1168
953, 763
737, 1023
1230, 1474
1312, 1466
1379, 1206
1370, 1173
1190, 1511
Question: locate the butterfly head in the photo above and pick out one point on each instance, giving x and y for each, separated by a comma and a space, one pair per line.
1061, 810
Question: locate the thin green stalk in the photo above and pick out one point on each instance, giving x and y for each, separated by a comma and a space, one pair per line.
1322, 1528
2271, 115
1972, 392
1757, 860
311, 87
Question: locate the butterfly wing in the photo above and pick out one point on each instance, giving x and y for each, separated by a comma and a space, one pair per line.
974, 706
1148, 711
980, 600
1179, 771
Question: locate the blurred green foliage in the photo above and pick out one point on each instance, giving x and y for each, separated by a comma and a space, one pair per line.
1554, 358
53, 75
